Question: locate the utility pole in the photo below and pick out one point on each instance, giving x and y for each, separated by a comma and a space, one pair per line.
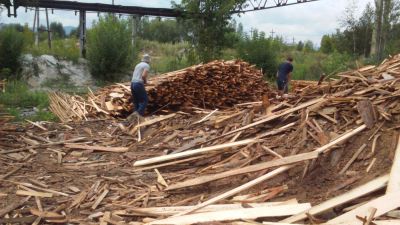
48, 29
272, 34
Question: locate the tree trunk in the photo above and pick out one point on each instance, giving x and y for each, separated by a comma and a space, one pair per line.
377, 32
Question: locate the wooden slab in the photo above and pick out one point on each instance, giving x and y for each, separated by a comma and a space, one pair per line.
362, 190
169, 211
366, 110
394, 180
383, 205
236, 214
97, 148
193, 152
253, 168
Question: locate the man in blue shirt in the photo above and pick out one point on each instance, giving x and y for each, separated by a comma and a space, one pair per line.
284, 74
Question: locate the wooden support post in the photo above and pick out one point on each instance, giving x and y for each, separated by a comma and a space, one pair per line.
135, 26
82, 33
48, 29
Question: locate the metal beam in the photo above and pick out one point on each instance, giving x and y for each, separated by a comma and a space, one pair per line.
256, 5
97, 7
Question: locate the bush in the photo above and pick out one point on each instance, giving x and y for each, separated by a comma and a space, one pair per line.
109, 48
18, 95
11, 46
166, 57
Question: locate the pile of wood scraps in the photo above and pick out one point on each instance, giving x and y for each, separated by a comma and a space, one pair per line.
329, 156
218, 84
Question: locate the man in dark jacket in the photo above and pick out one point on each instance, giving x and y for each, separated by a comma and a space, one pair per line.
284, 75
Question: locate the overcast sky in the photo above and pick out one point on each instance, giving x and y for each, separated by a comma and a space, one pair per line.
302, 22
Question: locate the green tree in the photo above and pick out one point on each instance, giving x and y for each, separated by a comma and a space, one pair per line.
28, 35
207, 23
161, 30
11, 46
57, 30
300, 46
309, 46
326, 44
109, 48
261, 51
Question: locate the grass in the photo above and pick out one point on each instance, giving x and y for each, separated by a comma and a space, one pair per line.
65, 49
18, 97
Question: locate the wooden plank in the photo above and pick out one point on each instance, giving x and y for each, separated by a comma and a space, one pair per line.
273, 117
18, 220
169, 211
155, 120
100, 198
377, 222
206, 117
348, 164
97, 148
193, 152
12, 206
249, 169
239, 189
236, 214
276, 131
166, 164
394, 180
343, 137
360, 191
34, 193
383, 205
328, 117
36, 125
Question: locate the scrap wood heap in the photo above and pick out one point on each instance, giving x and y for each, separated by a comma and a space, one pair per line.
336, 146
218, 84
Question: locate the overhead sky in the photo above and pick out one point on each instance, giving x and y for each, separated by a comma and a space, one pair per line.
302, 22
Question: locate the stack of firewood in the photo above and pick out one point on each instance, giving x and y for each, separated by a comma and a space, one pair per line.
218, 84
